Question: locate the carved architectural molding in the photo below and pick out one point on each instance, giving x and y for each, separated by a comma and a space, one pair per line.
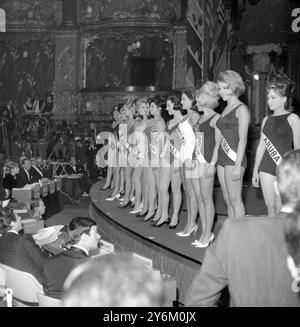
93, 11
27, 13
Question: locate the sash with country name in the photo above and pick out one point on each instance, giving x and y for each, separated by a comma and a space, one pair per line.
227, 149
199, 146
273, 152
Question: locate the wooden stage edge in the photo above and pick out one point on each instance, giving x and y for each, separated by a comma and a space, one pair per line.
169, 253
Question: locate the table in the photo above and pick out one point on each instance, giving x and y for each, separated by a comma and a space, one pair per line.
71, 188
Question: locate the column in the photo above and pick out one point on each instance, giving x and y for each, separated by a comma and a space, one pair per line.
180, 57
67, 63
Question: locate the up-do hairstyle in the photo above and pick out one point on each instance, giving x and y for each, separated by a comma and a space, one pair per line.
119, 106
158, 101
178, 107
173, 98
234, 80
292, 233
284, 87
288, 177
208, 95
191, 95
7, 216
141, 101
11, 165
79, 226
24, 159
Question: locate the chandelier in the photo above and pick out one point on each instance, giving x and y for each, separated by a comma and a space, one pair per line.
134, 48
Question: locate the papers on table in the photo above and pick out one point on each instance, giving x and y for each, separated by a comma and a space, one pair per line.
5, 203
47, 235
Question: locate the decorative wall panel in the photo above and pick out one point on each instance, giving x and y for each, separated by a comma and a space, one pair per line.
97, 11
29, 12
107, 60
26, 66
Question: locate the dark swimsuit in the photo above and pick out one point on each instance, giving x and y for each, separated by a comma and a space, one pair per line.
208, 139
278, 130
229, 128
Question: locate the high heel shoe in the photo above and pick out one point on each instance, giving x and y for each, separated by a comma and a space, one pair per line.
128, 204
193, 230
113, 198
173, 226
205, 245
149, 218
140, 214
161, 224
137, 210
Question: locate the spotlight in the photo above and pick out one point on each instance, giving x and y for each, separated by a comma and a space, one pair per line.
256, 77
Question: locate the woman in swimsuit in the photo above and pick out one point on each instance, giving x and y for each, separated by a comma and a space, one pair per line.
280, 133
233, 125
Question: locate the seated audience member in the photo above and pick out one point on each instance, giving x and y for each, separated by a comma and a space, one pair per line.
250, 254
80, 151
10, 179
4, 193
37, 169
84, 238
25, 175
48, 107
83, 181
19, 251
28, 105
113, 281
292, 239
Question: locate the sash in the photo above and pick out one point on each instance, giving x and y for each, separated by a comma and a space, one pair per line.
199, 145
227, 149
174, 151
273, 152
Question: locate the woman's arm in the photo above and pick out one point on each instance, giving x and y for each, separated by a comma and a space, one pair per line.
214, 158
210, 172
243, 121
294, 122
259, 155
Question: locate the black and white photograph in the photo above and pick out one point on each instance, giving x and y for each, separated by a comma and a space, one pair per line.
149, 156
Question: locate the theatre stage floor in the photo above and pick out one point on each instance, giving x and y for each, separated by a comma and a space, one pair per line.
171, 254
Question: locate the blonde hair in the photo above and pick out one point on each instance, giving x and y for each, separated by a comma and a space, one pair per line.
234, 80
208, 95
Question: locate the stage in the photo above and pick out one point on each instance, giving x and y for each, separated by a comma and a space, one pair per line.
170, 254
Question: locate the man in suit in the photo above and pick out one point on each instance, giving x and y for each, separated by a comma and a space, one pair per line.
19, 251
25, 175
83, 182
37, 170
250, 254
84, 237
4, 193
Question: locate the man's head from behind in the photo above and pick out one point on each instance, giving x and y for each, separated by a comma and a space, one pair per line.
288, 178
83, 232
9, 221
292, 239
113, 281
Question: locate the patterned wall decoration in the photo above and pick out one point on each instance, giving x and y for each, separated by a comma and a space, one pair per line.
26, 67
108, 61
65, 103
29, 12
66, 65
97, 11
